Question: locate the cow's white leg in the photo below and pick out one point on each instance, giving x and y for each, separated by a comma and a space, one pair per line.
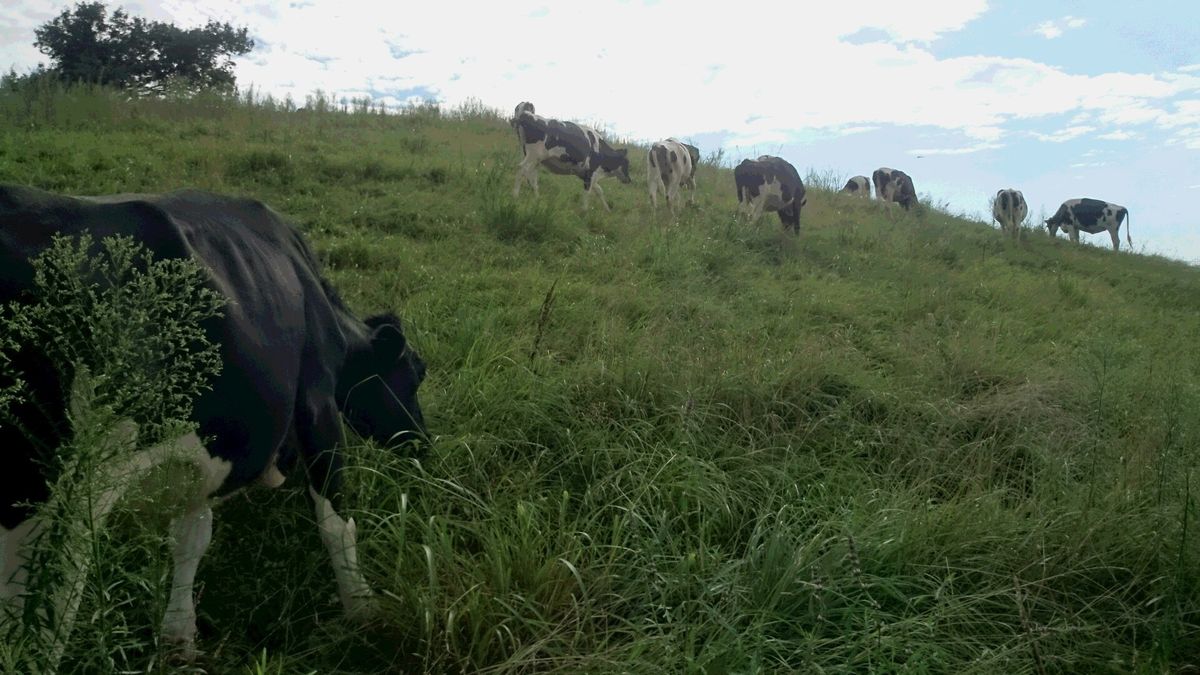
192, 533
527, 170
339, 537
1073, 233
746, 210
599, 193
1116, 238
520, 176
533, 180
12, 563
673, 197
652, 181
758, 204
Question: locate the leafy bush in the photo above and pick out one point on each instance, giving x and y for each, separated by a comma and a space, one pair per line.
126, 331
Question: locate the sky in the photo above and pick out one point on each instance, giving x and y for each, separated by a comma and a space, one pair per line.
1058, 98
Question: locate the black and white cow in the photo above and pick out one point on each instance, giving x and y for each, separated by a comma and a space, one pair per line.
1091, 216
893, 185
1009, 209
670, 165
566, 148
294, 361
858, 186
770, 183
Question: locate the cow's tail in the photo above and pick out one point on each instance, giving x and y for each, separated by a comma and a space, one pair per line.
1128, 236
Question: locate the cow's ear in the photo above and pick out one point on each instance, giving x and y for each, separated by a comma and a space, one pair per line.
387, 338
388, 343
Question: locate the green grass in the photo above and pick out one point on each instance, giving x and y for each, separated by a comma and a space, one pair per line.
897, 443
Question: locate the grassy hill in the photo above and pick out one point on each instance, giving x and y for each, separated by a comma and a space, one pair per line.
896, 443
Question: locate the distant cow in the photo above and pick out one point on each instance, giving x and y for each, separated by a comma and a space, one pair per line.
1091, 216
294, 361
566, 148
670, 165
859, 186
773, 184
893, 185
1009, 209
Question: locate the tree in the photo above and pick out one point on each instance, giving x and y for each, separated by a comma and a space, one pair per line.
88, 44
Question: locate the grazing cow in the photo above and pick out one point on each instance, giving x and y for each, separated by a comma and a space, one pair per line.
1091, 216
566, 148
671, 164
773, 184
1009, 209
858, 186
293, 357
893, 185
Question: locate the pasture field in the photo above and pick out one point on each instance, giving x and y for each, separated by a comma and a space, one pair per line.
897, 443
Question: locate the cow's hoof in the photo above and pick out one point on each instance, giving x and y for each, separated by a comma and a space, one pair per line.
364, 610
181, 651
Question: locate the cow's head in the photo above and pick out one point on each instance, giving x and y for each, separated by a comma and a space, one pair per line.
1052, 224
619, 165
377, 389
522, 107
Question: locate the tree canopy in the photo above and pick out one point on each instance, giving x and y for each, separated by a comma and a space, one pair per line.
88, 44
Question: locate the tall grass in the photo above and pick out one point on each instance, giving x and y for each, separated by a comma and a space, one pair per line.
898, 442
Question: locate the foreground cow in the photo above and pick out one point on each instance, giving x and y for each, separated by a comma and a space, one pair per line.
566, 148
858, 186
1091, 216
1009, 209
670, 165
893, 185
773, 184
293, 358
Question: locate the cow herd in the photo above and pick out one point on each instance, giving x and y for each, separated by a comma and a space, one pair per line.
767, 183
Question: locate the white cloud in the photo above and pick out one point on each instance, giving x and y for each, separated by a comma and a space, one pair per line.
1119, 135
846, 131
1064, 135
1056, 27
965, 150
